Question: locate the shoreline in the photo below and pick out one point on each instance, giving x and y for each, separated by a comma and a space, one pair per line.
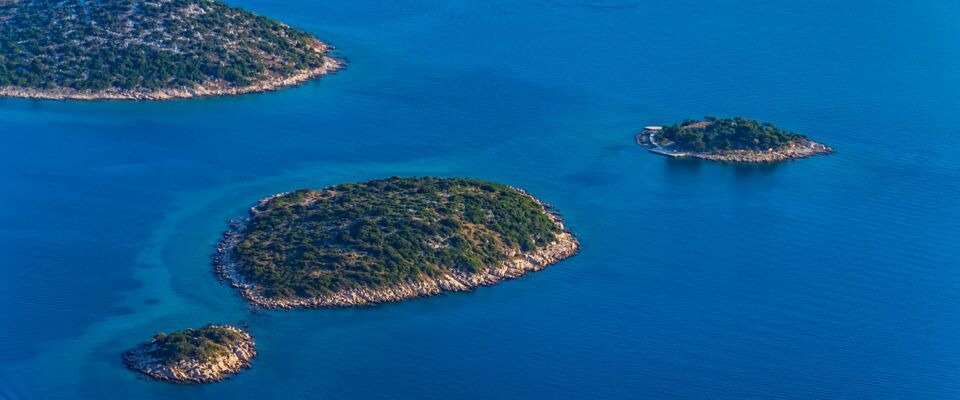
519, 264
796, 151
139, 360
209, 89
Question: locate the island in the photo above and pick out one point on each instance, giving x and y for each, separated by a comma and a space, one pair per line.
388, 240
737, 139
149, 50
209, 354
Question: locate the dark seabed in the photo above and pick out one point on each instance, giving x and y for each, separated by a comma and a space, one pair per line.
832, 277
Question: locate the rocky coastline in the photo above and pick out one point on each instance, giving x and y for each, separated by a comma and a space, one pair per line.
565, 245
238, 358
209, 89
793, 151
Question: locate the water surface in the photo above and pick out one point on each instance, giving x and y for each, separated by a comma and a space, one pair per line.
832, 277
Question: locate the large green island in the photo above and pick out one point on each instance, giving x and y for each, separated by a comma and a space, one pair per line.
149, 50
729, 139
388, 240
209, 354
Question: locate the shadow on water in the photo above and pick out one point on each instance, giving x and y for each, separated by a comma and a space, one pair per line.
744, 177
751, 179
750, 170
684, 166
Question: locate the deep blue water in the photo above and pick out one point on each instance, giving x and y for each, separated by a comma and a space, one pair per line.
831, 277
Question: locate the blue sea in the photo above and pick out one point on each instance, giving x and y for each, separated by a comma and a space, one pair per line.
830, 277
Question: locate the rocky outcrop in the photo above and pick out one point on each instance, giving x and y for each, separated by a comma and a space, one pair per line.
210, 370
565, 245
214, 88
791, 151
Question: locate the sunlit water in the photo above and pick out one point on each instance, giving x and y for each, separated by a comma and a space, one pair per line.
829, 277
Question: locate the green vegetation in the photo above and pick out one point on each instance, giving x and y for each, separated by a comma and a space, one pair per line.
313, 242
728, 134
141, 45
194, 344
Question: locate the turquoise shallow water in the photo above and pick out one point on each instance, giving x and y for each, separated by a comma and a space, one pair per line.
832, 277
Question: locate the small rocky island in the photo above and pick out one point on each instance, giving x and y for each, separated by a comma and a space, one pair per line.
729, 139
209, 354
388, 240
149, 50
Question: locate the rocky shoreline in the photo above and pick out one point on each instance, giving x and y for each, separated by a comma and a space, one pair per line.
793, 151
797, 151
139, 359
216, 88
520, 263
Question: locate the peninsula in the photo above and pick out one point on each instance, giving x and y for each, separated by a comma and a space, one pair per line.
209, 354
729, 139
149, 50
388, 240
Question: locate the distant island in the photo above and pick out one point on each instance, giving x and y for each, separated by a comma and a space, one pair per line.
729, 139
149, 50
209, 354
388, 240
